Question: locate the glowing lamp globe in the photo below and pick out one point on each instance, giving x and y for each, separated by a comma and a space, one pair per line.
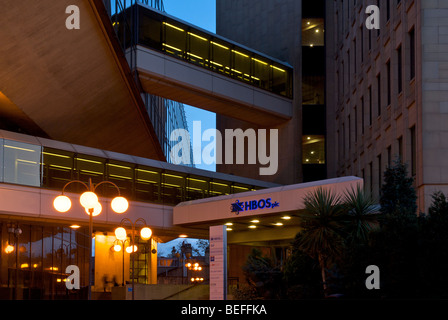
120, 233
96, 209
9, 248
62, 203
88, 199
129, 249
145, 233
119, 204
117, 248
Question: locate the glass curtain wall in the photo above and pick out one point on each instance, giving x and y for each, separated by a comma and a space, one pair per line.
33, 260
205, 49
32, 165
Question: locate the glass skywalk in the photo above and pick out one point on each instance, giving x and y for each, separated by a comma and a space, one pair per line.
165, 33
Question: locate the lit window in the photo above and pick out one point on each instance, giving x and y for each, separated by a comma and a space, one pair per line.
313, 149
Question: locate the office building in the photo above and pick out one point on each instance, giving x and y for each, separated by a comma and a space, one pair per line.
381, 90
387, 88
78, 105
74, 112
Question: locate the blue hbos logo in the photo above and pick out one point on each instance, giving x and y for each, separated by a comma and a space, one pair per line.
240, 206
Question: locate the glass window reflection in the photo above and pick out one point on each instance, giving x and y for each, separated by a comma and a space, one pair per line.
37, 261
21, 163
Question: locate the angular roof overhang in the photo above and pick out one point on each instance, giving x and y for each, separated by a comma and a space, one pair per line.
71, 85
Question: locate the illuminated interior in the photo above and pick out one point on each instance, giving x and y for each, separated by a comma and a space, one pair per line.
313, 149
32, 165
202, 48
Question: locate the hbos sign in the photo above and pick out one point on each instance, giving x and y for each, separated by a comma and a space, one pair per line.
239, 206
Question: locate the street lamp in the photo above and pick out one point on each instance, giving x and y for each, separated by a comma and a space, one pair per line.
117, 246
89, 200
121, 234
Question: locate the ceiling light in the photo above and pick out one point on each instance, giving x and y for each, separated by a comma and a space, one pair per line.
252, 227
229, 229
229, 224
286, 217
183, 236
278, 224
74, 226
255, 221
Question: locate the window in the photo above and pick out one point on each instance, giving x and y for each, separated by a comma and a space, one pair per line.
380, 174
400, 149
379, 29
21, 163
349, 134
44, 254
389, 156
58, 168
313, 149
399, 69
370, 105
370, 177
412, 54
378, 83
387, 10
362, 43
356, 124
362, 115
349, 67
389, 89
413, 152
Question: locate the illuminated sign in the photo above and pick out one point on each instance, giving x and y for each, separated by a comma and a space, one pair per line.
240, 206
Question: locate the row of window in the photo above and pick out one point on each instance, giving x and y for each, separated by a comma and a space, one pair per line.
355, 55
201, 48
347, 9
374, 98
313, 91
373, 172
33, 260
31, 165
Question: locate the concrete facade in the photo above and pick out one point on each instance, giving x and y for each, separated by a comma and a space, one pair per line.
376, 122
172, 78
273, 28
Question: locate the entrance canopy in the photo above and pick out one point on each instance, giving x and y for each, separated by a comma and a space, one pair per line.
262, 215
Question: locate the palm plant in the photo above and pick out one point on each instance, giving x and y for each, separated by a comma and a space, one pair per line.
362, 213
323, 221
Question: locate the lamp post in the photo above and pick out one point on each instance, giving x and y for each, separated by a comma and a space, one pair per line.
121, 234
89, 200
117, 246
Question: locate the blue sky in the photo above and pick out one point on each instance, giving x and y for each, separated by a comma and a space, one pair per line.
201, 13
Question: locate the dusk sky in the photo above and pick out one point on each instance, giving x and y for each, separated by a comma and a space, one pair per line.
201, 13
